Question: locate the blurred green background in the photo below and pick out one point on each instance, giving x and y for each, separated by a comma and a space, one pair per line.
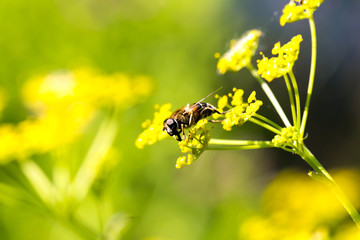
224, 195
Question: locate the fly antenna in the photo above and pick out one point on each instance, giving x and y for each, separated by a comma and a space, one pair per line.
210, 94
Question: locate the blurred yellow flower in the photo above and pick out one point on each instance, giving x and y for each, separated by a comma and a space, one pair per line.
276, 67
63, 103
87, 86
240, 53
293, 12
117, 89
10, 143
153, 129
297, 207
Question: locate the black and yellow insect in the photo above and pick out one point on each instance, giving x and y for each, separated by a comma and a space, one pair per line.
187, 116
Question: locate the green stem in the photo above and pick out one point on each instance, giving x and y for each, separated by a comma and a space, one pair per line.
267, 121
270, 95
297, 98
329, 182
311, 76
291, 97
40, 182
265, 125
48, 194
78, 227
227, 144
93, 161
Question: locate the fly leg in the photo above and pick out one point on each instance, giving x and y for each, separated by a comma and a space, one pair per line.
218, 120
190, 123
183, 132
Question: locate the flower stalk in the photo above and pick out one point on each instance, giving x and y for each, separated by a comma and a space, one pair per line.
327, 179
228, 144
269, 94
297, 98
311, 76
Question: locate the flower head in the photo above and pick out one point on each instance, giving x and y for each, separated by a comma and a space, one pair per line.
194, 145
276, 67
240, 53
240, 111
153, 129
62, 104
287, 138
293, 12
296, 207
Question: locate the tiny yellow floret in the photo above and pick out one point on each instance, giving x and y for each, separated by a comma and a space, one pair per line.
195, 144
287, 138
153, 132
240, 111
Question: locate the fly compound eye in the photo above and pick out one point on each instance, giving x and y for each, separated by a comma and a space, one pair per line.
170, 123
170, 126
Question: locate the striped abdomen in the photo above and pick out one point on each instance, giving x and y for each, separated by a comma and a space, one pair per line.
201, 110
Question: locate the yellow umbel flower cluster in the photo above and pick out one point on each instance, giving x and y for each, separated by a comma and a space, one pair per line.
293, 12
293, 195
86, 86
287, 138
276, 67
239, 111
153, 129
195, 144
62, 104
240, 53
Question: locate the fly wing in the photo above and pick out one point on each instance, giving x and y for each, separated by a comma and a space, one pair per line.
210, 94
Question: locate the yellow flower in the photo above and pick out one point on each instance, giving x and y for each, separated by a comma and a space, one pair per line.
153, 129
311, 4
293, 12
116, 89
287, 138
194, 145
240, 111
297, 207
10, 143
240, 53
62, 104
86, 86
222, 102
276, 67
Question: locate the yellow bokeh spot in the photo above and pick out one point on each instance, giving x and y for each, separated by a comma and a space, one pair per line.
62, 104
295, 206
